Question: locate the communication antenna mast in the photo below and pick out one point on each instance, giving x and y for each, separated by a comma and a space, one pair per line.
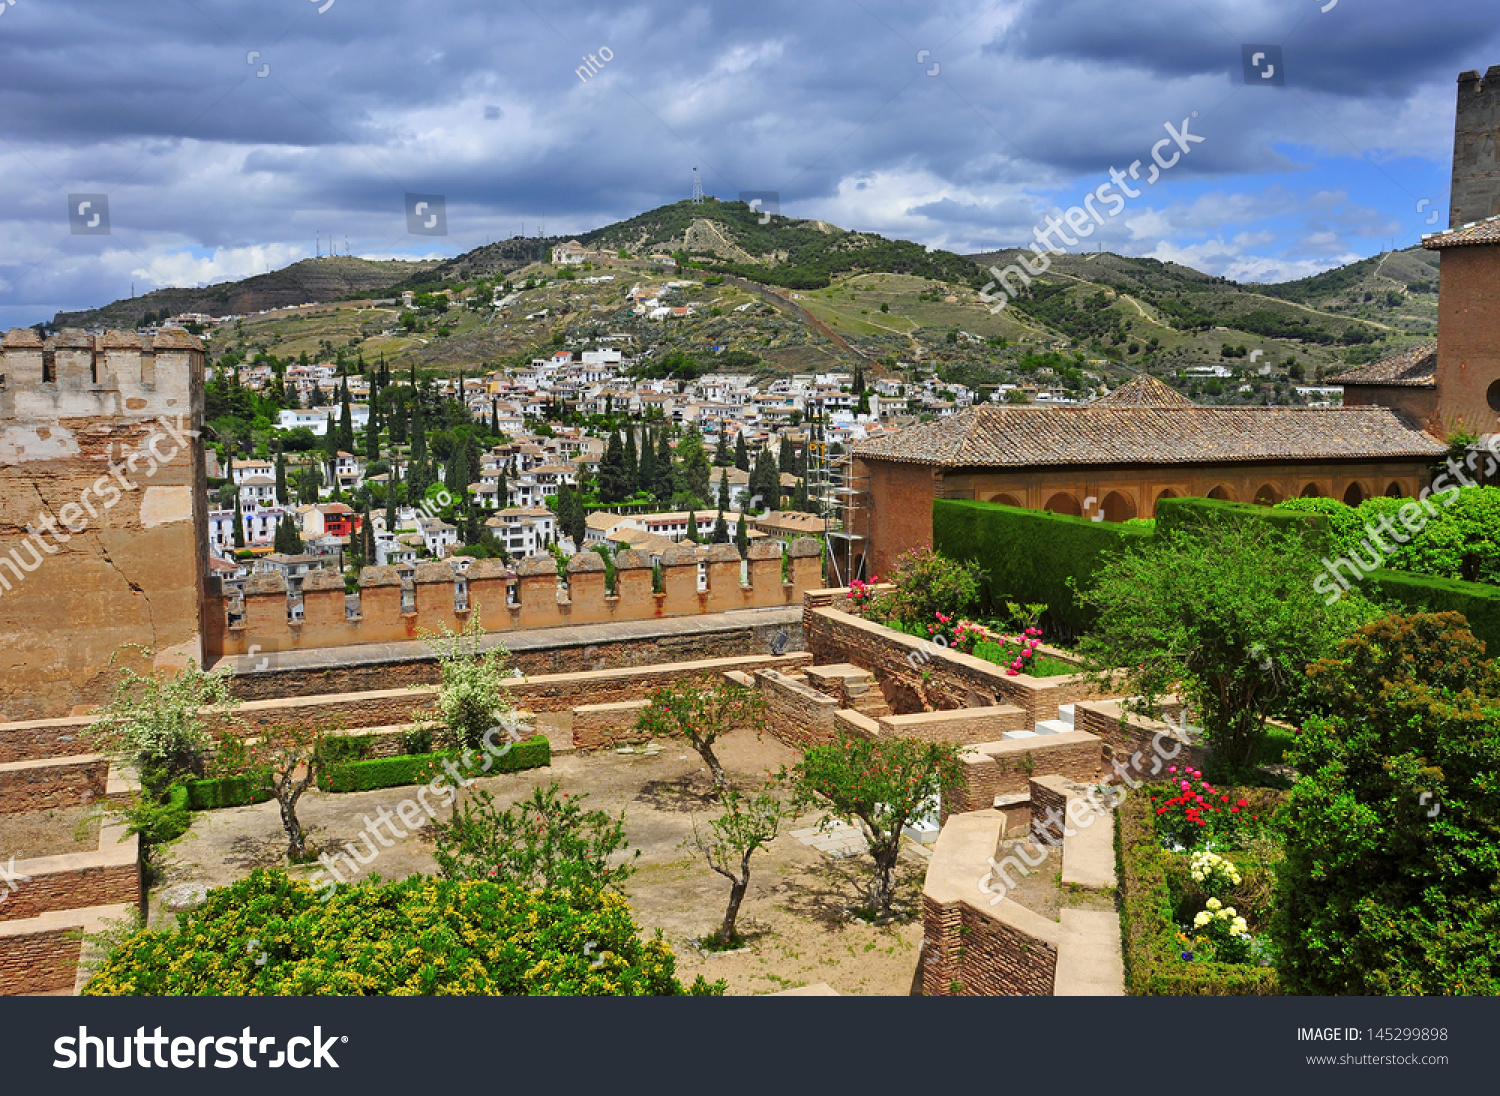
697, 187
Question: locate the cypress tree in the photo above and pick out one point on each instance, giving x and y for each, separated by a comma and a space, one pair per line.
632, 469
396, 416
283, 496
372, 434
390, 500
721, 451
471, 458
692, 527
646, 471
239, 523
721, 528
612, 484
723, 492
579, 529
418, 430
346, 421
665, 481
502, 490
330, 438
784, 456
742, 536
741, 453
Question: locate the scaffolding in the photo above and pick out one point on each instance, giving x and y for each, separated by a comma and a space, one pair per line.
843, 501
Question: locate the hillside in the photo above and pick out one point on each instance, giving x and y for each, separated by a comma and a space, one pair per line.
331, 278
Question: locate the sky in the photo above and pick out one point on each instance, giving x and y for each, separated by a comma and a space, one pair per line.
229, 138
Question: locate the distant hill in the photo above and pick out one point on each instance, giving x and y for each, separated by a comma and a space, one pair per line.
332, 278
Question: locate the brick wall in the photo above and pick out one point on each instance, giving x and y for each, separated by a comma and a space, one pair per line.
27, 786
39, 962
958, 726
1132, 741
916, 676
43, 738
596, 726
1006, 767
796, 713
540, 652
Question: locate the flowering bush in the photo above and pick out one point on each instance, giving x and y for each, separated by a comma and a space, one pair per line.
1213, 872
926, 584
1198, 814
1224, 931
1016, 653
861, 594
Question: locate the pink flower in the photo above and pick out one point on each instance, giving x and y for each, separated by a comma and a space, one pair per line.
1172, 769
1184, 785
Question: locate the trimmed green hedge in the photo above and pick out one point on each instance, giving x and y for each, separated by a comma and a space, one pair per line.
229, 791
1479, 603
1029, 555
393, 772
1174, 514
1153, 963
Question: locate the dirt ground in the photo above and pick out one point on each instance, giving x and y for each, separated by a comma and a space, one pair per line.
795, 914
50, 833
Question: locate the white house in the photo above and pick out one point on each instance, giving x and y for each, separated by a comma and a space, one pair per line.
524, 531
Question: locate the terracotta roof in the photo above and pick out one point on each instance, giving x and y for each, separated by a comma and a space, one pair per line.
1022, 436
1144, 390
1486, 231
1414, 368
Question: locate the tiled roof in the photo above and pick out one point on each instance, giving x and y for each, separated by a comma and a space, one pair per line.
1022, 436
1414, 368
1144, 390
1486, 231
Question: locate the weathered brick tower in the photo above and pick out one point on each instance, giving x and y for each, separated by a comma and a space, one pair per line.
103, 535
1476, 149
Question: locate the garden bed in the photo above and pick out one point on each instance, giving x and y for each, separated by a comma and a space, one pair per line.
1159, 897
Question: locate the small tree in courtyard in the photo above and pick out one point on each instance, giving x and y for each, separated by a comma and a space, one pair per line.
882, 784
702, 710
285, 758
473, 696
749, 823
1224, 615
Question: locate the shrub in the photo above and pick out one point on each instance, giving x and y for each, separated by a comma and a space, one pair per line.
1388, 887
1478, 604
227, 791
271, 935
337, 748
392, 772
927, 584
1173, 515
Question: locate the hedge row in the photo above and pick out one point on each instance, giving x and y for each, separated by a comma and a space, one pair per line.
392, 772
1479, 603
1187, 513
228, 791
1030, 555
1154, 966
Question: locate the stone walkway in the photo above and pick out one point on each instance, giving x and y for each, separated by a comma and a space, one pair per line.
837, 839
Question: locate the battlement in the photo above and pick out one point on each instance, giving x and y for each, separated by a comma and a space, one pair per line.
116, 375
530, 596
1476, 160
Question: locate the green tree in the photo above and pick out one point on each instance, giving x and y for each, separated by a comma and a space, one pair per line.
1224, 615
309, 482
692, 527
1388, 886
613, 484
702, 710
646, 471
880, 784
547, 840
694, 468
741, 453
283, 495
239, 523
721, 529
723, 491
420, 936
631, 464
722, 455
749, 823
473, 696
742, 536
288, 540
666, 478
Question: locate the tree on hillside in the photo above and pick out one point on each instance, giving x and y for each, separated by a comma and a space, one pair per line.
702, 710
692, 535
283, 494
645, 478
720, 534
881, 785
694, 470
741, 453
613, 485
1388, 886
666, 478
630, 463
724, 496
288, 538
722, 456
742, 536
239, 523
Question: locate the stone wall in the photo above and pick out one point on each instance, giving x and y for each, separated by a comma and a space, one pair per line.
43, 961
43, 738
598, 726
972, 949
796, 713
918, 676
530, 597
1132, 739
103, 532
541, 651
394, 707
1006, 767
107, 875
42, 785
956, 726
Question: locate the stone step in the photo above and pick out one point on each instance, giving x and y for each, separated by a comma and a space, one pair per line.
1065, 712
1019, 734
1053, 726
